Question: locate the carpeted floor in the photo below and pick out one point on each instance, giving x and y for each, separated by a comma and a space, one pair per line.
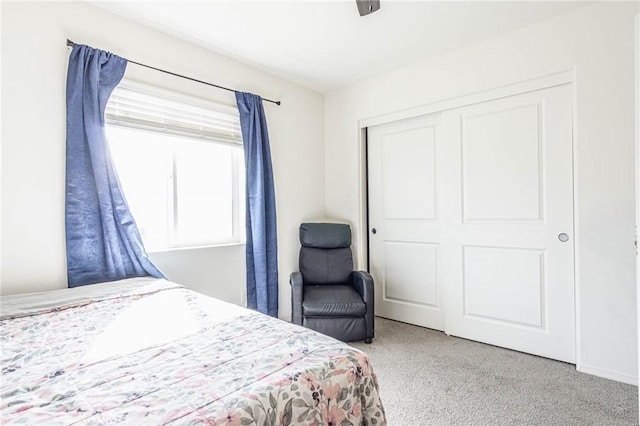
428, 378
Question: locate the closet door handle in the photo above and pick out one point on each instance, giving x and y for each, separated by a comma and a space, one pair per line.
563, 237
374, 231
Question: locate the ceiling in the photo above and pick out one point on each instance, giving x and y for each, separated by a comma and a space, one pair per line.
325, 45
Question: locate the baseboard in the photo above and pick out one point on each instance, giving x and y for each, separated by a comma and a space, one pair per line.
608, 374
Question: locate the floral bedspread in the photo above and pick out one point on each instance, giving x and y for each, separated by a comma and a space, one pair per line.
164, 354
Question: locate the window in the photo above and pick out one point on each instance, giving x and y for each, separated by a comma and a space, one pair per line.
181, 167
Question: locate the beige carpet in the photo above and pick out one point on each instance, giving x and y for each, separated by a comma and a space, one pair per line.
428, 378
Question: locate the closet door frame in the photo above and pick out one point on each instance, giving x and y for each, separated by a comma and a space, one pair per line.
545, 82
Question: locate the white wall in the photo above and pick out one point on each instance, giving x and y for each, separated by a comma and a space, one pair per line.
34, 61
598, 42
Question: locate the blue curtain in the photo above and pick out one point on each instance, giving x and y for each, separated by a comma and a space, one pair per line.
103, 242
262, 245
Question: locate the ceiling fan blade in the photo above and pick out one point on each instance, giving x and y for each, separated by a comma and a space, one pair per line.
365, 7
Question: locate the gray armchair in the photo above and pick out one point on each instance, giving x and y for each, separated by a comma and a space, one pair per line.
327, 295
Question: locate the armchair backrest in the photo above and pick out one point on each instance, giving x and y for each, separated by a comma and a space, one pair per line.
325, 255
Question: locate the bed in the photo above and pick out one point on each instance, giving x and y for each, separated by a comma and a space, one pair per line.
150, 351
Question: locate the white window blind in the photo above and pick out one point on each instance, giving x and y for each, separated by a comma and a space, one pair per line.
132, 107
180, 163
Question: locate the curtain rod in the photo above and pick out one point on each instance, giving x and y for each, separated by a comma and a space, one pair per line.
71, 44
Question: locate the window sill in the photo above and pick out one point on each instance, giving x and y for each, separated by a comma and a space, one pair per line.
206, 246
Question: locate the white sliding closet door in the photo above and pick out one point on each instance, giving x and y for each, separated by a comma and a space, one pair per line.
404, 212
473, 211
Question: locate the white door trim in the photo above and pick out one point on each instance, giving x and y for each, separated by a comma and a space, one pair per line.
636, 49
544, 82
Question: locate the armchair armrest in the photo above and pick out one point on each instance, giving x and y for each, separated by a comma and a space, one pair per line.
295, 280
363, 283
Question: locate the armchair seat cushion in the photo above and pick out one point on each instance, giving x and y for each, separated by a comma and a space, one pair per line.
332, 300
